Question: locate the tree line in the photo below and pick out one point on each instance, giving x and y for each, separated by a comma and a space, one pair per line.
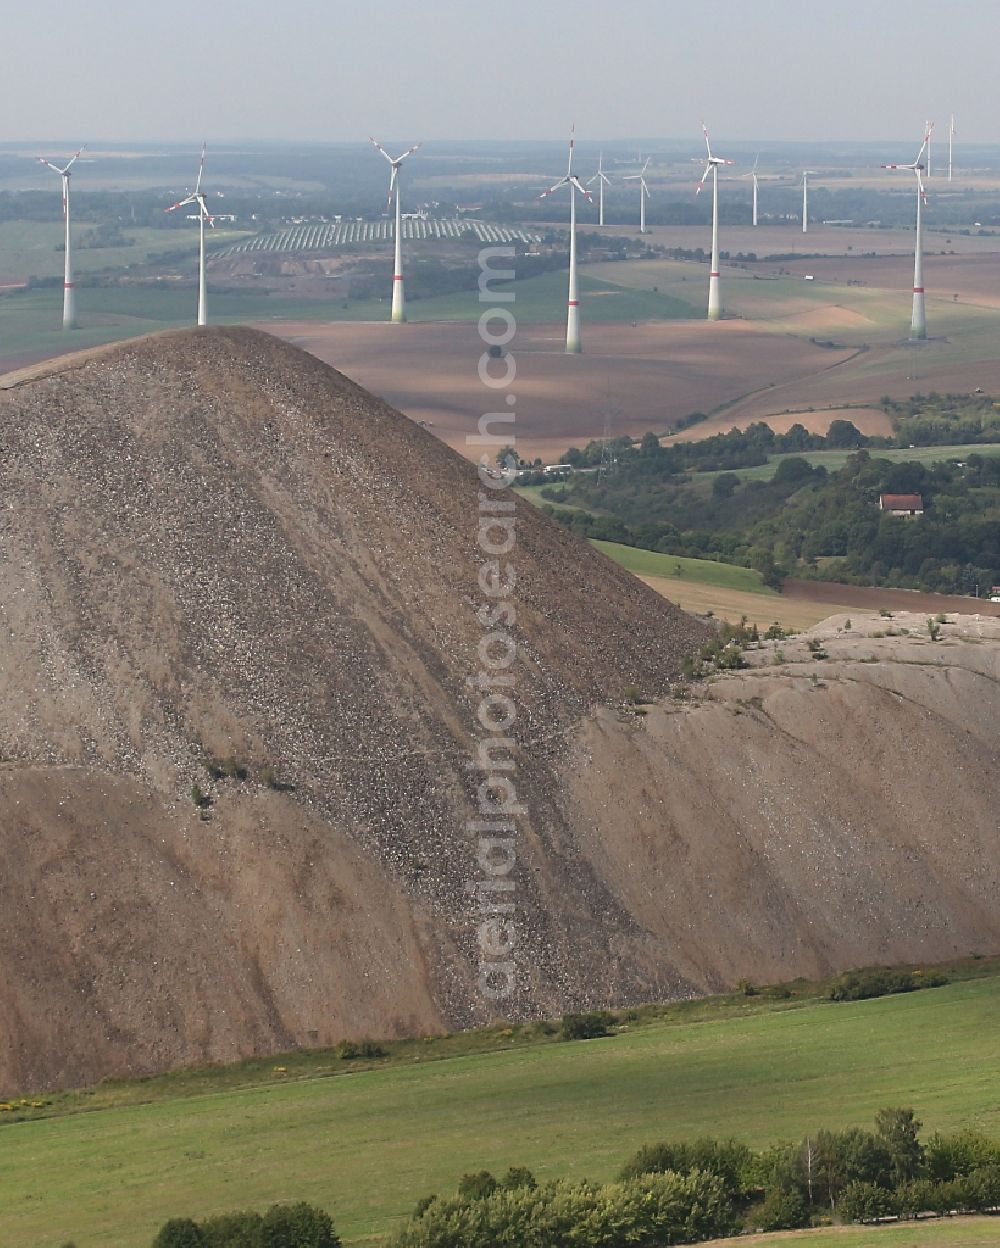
685, 1191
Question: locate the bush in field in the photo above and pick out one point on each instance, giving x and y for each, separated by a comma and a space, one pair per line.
585, 1026
981, 1188
782, 1210
518, 1176
880, 981
351, 1050
948, 1156
296, 1226
477, 1185
179, 1233
865, 1202
282, 1226
726, 1159
231, 1230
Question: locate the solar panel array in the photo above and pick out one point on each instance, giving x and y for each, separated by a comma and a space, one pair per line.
323, 236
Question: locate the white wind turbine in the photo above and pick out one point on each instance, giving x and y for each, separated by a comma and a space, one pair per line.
805, 199
69, 290
753, 174
928, 128
951, 144
918, 327
576, 187
398, 299
197, 196
643, 192
712, 167
602, 180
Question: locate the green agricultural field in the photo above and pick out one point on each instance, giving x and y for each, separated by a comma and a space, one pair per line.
542, 299
834, 460
28, 248
533, 493
31, 321
699, 571
366, 1146
938, 1233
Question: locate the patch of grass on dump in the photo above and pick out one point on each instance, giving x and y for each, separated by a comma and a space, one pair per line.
762, 1066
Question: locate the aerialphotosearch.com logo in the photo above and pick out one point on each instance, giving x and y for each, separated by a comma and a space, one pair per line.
493, 831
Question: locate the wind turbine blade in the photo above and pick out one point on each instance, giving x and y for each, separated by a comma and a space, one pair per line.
577, 185
756, 159
704, 177
74, 158
54, 168
181, 203
554, 187
572, 144
708, 145
409, 152
646, 165
201, 168
379, 148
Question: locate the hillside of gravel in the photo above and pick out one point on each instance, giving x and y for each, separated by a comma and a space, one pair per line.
241, 605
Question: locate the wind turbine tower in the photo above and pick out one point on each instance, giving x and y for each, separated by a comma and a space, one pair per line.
69, 290
918, 326
753, 174
712, 167
576, 187
197, 196
398, 298
805, 199
643, 193
602, 180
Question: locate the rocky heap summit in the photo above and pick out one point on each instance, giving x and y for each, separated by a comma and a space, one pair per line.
215, 547
229, 574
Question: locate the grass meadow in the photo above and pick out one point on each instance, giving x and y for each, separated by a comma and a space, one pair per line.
366, 1146
681, 568
945, 1233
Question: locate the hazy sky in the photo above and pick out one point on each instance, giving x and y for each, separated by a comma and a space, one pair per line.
438, 69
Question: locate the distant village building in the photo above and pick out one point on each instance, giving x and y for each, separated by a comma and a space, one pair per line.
902, 504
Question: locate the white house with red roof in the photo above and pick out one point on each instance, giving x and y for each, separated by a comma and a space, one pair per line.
901, 504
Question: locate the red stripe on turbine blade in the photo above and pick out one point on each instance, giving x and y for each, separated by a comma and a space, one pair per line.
918, 290
714, 275
574, 303
397, 277
68, 285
